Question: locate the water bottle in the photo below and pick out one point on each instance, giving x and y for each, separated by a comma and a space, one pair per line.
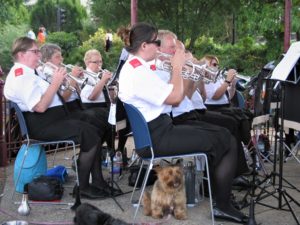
261, 143
106, 161
117, 167
200, 166
190, 184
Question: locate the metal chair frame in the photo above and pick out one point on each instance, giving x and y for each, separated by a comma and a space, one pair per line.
30, 142
142, 140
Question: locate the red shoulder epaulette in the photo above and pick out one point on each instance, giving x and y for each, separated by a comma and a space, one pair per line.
135, 63
153, 67
18, 72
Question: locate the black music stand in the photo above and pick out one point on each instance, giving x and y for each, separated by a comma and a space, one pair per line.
285, 72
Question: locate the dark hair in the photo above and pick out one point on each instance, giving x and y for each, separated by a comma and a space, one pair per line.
139, 33
22, 44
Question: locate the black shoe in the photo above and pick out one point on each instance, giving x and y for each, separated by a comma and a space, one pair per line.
91, 192
241, 182
219, 214
106, 188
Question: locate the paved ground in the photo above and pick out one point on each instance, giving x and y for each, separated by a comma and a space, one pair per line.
199, 215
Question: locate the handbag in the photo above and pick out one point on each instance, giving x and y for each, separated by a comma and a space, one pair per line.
134, 171
35, 165
45, 188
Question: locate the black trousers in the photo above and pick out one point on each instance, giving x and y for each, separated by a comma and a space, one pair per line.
55, 124
96, 116
170, 139
221, 120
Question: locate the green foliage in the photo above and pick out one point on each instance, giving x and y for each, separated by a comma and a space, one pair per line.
67, 42
246, 56
97, 41
45, 13
8, 33
13, 12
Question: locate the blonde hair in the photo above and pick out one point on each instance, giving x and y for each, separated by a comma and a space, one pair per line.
89, 53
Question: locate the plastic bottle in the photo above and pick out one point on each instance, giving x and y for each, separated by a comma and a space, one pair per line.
117, 167
200, 165
261, 144
106, 161
190, 184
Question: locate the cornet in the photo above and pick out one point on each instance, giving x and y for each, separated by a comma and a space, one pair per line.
242, 81
190, 70
48, 69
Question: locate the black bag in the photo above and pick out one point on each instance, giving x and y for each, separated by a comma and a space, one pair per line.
134, 171
45, 188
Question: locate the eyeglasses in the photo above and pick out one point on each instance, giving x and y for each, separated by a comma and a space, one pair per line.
35, 51
96, 62
157, 42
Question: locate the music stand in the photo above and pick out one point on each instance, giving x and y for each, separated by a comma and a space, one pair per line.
285, 72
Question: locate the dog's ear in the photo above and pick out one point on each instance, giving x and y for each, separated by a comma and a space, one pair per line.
157, 168
179, 162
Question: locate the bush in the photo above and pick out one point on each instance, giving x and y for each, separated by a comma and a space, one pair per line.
246, 56
97, 41
67, 42
8, 33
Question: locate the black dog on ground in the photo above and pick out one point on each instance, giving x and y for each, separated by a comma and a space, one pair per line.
87, 214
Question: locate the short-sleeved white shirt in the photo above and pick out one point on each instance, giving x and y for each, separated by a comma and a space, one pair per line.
185, 105
197, 101
141, 87
211, 89
87, 90
25, 88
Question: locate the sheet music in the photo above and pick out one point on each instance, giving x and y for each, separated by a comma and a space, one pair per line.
286, 65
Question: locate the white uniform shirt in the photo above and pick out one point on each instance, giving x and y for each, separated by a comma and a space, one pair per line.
141, 87
197, 101
211, 89
25, 88
185, 105
87, 90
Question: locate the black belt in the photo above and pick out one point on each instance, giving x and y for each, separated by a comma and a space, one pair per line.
95, 104
73, 105
216, 107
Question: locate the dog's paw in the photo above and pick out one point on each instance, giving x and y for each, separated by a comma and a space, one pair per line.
180, 214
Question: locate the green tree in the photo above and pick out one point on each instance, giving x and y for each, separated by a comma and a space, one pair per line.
8, 33
13, 12
45, 13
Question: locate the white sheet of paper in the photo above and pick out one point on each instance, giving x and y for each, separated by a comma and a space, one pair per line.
283, 69
112, 114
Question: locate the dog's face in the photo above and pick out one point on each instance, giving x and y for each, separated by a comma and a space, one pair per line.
170, 177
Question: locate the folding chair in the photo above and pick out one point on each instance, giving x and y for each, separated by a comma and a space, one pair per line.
293, 150
30, 142
142, 140
241, 100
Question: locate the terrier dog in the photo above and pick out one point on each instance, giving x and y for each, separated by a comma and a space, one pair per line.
168, 194
87, 214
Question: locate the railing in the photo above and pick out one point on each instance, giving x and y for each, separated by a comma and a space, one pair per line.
10, 135
3, 119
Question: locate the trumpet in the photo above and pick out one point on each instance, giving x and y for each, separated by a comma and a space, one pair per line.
243, 82
190, 70
48, 69
94, 78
